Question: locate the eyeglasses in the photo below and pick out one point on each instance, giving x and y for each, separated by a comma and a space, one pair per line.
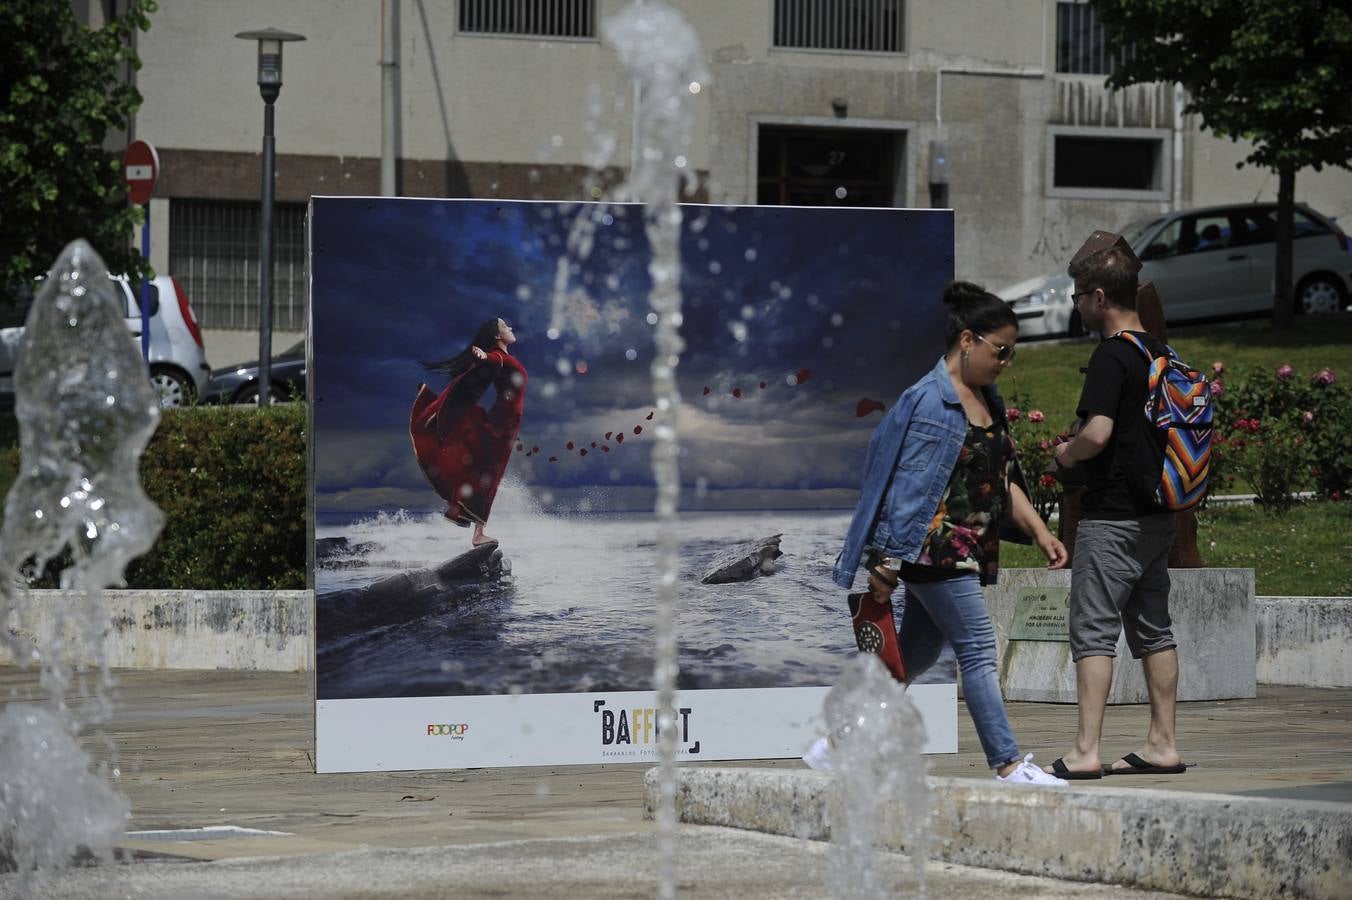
1003, 352
1076, 295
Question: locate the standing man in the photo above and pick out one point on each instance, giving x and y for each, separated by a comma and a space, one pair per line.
1119, 569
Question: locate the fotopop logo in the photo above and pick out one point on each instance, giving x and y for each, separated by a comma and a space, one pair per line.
455, 731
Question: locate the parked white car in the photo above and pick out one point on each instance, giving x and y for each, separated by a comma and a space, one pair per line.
178, 359
1209, 264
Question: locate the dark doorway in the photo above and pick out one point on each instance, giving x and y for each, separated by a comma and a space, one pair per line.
827, 166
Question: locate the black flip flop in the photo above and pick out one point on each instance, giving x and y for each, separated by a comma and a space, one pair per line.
1060, 771
1138, 766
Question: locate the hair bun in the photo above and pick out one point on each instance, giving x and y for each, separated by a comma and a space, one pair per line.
960, 292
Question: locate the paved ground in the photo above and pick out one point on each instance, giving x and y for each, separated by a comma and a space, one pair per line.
233, 748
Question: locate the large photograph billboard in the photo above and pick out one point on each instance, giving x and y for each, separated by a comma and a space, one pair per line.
482, 432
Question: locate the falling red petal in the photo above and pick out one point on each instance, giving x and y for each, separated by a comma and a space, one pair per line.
803, 375
553, 459
520, 447
570, 445
867, 406
638, 429
619, 438
608, 434
534, 449
605, 448
583, 451
706, 393
593, 445
648, 418
737, 392
762, 385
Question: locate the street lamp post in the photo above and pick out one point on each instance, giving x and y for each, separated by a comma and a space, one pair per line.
270, 41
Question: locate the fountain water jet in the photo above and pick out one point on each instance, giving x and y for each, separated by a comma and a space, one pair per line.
86, 410
879, 777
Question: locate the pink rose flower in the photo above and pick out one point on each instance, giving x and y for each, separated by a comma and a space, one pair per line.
1047, 480
1044, 444
1284, 372
1307, 417
1324, 376
1013, 413
1218, 367
1216, 388
1036, 415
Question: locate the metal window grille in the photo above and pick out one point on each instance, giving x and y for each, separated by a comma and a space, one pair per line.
876, 26
537, 18
1080, 47
213, 251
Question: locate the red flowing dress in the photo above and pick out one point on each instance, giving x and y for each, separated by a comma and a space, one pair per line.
463, 449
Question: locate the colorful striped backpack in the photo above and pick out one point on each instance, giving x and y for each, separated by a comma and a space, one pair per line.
1178, 410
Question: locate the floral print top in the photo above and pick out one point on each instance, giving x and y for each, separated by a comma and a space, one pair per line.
964, 535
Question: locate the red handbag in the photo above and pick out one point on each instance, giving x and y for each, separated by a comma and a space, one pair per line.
876, 632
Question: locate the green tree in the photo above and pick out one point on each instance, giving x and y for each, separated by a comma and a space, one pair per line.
1277, 73
62, 89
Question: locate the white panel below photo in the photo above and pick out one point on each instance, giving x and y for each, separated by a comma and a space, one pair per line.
583, 729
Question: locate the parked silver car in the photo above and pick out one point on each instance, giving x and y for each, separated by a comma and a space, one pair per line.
178, 359
1210, 263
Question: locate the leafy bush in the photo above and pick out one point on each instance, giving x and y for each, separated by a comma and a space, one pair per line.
1035, 440
1282, 432
231, 482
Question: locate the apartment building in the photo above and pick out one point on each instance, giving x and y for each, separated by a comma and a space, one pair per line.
996, 108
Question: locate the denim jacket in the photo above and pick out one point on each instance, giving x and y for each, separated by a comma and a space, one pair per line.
910, 460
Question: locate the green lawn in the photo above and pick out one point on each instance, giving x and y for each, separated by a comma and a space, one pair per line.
1304, 553
1047, 376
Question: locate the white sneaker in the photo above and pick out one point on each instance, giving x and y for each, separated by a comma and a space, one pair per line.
819, 756
1027, 773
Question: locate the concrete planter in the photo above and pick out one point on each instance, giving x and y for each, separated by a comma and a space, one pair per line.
1214, 625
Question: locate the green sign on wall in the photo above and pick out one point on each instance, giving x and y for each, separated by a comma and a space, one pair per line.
1040, 614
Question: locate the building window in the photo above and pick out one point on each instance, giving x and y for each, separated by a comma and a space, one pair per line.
1123, 163
1080, 48
213, 251
799, 166
532, 18
874, 26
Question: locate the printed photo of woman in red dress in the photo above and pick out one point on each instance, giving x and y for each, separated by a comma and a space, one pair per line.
462, 447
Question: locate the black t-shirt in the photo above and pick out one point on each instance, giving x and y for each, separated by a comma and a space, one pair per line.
1115, 386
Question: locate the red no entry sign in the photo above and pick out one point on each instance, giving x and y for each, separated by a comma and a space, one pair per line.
142, 165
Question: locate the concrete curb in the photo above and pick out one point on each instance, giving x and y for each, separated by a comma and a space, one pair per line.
1209, 845
1305, 641
245, 630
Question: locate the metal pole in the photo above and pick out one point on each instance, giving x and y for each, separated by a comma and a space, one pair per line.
389, 97
145, 290
265, 265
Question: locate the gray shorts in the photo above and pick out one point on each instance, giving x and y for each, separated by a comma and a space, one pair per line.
1120, 580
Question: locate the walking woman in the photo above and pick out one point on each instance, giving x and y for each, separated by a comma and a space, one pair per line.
940, 478
463, 448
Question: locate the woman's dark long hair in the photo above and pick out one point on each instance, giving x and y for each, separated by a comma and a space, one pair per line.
486, 338
970, 306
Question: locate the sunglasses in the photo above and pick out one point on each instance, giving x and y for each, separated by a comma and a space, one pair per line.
1003, 352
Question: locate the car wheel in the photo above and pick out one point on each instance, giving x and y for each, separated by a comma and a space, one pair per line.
249, 395
1075, 325
173, 387
1320, 294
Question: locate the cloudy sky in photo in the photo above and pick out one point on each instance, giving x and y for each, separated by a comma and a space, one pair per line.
850, 299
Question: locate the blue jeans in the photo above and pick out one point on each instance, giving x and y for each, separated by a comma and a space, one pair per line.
955, 610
